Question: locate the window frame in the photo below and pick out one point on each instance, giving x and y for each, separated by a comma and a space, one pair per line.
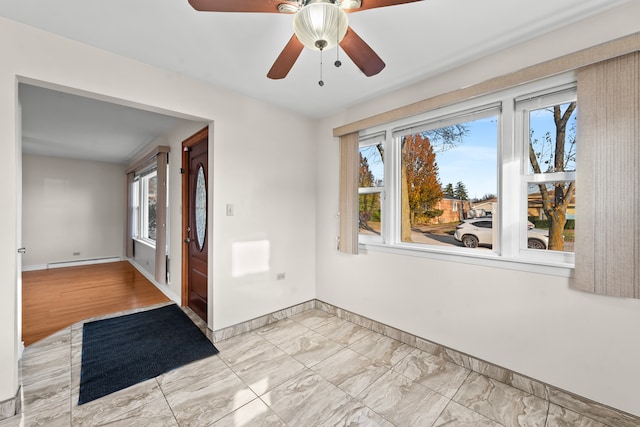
370, 141
508, 251
451, 116
140, 206
524, 105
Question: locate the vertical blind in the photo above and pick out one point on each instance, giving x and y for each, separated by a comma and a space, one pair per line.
129, 248
349, 206
161, 219
608, 220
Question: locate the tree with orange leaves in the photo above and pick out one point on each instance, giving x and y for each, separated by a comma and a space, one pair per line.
421, 187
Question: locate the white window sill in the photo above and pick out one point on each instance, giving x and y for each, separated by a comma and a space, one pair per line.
485, 258
149, 243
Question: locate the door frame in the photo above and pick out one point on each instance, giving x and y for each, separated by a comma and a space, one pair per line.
194, 139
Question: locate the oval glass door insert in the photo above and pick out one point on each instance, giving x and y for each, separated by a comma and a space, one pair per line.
201, 207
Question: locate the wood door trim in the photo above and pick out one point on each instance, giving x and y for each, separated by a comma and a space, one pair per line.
194, 139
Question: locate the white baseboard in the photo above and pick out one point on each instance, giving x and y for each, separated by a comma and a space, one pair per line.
63, 264
75, 263
34, 267
163, 288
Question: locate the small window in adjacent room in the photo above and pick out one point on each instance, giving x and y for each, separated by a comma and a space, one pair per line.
144, 205
150, 204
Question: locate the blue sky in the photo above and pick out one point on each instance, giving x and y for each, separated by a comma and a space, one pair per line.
474, 161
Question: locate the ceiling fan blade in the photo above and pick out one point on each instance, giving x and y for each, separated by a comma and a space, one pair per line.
286, 59
266, 6
372, 4
361, 54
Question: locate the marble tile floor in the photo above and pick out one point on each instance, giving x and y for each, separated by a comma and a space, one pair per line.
312, 369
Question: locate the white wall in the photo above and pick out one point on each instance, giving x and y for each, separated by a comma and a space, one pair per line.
271, 185
531, 323
145, 257
267, 170
71, 206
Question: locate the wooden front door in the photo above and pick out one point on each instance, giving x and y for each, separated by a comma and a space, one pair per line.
195, 221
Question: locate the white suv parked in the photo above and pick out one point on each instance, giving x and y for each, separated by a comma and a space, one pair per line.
478, 231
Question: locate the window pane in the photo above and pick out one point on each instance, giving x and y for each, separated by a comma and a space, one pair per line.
370, 214
551, 209
445, 173
371, 166
152, 205
135, 208
552, 139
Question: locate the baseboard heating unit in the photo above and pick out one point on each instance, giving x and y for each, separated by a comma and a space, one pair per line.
74, 263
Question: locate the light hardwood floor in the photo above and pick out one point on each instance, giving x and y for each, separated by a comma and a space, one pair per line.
57, 298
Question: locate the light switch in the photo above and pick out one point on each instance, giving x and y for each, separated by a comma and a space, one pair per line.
229, 209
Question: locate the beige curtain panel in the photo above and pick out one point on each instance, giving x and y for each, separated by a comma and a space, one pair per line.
608, 155
161, 219
349, 205
129, 239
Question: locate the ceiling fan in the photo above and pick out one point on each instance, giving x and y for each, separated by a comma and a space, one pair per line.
318, 25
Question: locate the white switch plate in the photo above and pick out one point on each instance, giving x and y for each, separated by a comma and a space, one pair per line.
229, 209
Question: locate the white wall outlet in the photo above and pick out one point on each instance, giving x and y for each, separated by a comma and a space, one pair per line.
280, 276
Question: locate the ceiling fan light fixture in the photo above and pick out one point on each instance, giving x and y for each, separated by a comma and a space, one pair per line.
320, 24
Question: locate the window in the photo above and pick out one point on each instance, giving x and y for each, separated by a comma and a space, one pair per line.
148, 207
549, 169
490, 177
445, 166
144, 203
371, 187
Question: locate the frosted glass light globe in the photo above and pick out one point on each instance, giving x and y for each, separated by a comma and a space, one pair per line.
320, 25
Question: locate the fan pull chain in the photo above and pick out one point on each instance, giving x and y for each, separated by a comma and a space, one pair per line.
321, 82
337, 63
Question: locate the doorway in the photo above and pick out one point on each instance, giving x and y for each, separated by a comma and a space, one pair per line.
74, 200
195, 176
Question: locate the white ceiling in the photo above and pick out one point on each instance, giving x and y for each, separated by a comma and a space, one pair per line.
235, 50
63, 125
